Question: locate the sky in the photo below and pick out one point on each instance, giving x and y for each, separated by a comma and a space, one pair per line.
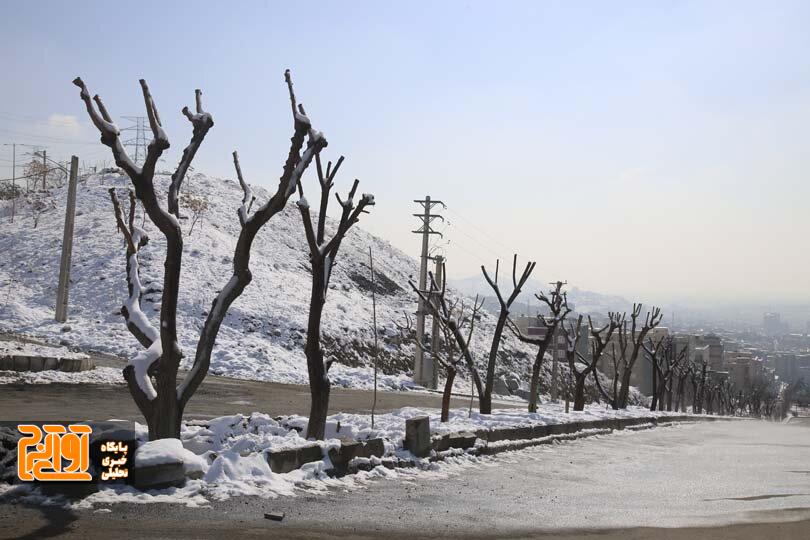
654, 149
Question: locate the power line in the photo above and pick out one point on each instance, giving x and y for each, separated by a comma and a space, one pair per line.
47, 138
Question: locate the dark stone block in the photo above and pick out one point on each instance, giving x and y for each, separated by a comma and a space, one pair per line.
372, 448
159, 476
465, 439
341, 457
282, 461
417, 436
309, 453
442, 443
70, 490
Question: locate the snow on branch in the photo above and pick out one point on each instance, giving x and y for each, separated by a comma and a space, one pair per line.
201, 122
136, 320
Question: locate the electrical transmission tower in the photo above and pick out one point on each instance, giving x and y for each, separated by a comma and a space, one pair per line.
138, 141
424, 369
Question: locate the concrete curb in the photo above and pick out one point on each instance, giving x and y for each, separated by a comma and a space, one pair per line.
44, 363
495, 441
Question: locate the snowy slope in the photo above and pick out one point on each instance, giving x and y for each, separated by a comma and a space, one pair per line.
263, 335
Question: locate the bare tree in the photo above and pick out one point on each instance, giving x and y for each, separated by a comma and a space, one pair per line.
557, 303
601, 337
450, 357
654, 356
636, 337
666, 360
162, 402
436, 302
322, 255
517, 284
697, 377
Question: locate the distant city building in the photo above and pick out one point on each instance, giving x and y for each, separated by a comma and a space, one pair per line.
715, 350
772, 324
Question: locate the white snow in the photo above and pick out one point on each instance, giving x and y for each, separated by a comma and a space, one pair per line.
164, 451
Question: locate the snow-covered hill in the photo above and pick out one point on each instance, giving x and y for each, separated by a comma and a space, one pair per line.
263, 335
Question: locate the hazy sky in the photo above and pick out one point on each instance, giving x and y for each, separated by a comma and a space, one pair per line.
657, 150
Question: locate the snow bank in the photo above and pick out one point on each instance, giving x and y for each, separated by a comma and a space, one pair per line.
164, 451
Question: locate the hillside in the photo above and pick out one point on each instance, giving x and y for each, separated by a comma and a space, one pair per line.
262, 337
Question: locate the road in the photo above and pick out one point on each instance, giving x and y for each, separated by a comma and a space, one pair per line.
747, 479
216, 396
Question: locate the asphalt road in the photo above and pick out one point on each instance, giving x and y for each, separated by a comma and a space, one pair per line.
216, 396
713, 480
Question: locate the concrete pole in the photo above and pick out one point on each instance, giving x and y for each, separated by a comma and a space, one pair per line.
67, 245
433, 366
13, 180
419, 373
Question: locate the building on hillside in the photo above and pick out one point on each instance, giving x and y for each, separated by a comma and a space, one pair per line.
534, 328
642, 375
715, 350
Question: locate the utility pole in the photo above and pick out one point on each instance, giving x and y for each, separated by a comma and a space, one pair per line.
67, 245
422, 368
434, 334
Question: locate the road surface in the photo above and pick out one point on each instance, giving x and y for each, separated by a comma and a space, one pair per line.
747, 479
216, 396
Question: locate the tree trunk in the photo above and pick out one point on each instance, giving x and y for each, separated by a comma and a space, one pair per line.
318, 379
624, 392
654, 402
485, 401
448, 389
166, 417
316, 428
579, 393
534, 387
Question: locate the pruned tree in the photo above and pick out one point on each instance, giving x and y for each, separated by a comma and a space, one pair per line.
682, 375
449, 357
505, 304
636, 337
558, 310
322, 255
654, 356
697, 376
163, 400
666, 360
581, 367
436, 302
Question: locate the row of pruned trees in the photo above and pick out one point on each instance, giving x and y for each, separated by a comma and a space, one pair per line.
623, 335
152, 376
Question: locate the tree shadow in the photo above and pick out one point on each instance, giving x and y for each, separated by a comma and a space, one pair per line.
57, 521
